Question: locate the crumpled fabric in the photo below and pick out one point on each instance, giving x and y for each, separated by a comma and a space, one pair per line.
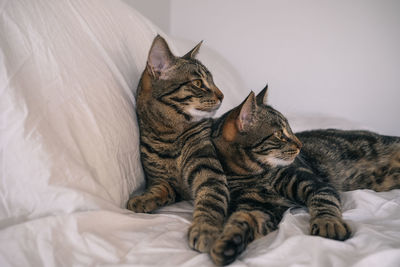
123, 238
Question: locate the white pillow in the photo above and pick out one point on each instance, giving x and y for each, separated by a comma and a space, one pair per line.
69, 136
69, 139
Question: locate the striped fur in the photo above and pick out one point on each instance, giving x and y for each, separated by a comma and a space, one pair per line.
267, 173
175, 97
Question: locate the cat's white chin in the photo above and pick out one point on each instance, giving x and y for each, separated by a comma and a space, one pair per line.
198, 115
275, 162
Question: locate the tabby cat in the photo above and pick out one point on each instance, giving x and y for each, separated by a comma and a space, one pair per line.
268, 173
176, 97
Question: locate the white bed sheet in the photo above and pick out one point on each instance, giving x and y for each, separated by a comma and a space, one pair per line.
122, 238
69, 153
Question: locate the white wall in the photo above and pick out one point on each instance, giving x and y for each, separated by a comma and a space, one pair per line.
158, 11
338, 57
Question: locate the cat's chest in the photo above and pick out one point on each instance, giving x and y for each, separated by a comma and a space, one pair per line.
160, 152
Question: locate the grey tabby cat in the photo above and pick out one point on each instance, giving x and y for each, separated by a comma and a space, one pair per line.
269, 169
175, 98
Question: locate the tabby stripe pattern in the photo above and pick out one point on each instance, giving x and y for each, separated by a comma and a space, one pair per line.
303, 187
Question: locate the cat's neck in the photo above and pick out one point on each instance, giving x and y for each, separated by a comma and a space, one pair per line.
236, 161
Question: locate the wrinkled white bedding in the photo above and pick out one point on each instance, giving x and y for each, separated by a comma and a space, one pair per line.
69, 152
119, 237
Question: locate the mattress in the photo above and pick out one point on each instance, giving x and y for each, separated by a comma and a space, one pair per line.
69, 152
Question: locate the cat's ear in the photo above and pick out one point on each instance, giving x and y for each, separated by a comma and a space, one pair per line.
160, 57
192, 53
240, 119
246, 113
262, 96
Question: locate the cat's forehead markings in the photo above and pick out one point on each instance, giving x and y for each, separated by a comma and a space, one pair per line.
199, 74
197, 70
207, 78
203, 73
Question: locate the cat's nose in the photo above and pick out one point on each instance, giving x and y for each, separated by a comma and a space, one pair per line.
297, 142
219, 94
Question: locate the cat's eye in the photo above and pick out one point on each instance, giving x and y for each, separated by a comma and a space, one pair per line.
279, 135
197, 83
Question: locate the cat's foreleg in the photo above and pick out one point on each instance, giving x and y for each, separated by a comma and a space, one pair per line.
242, 227
326, 215
207, 183
160, 193
322, 200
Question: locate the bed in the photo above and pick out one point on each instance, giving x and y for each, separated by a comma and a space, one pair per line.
69, 154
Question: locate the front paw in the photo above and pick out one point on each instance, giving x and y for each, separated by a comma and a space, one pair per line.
330, 227
227, 248
141, 204
202, 236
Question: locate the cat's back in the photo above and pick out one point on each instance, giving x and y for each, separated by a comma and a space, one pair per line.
347, 134
352, 159
351, 144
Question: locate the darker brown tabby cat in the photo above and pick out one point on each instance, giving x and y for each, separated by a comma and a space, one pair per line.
175, 97
268, 173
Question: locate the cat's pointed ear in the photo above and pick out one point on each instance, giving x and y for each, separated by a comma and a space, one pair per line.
192, 53
262, 96
240, 118
246, 113
160, 57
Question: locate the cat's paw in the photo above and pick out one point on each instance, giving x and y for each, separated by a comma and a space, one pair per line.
202, 236
330, 227
227, 248
141, 204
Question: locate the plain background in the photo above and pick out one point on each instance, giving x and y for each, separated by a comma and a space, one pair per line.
337, 57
